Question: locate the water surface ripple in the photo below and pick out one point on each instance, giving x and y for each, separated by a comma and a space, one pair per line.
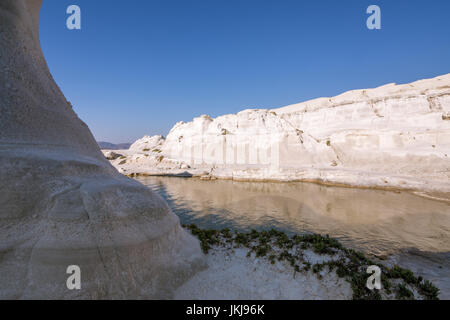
375, 221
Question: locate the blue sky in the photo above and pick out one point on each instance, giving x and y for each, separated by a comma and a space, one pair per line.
137, 67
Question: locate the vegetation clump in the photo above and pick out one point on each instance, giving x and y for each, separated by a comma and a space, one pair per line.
349, 264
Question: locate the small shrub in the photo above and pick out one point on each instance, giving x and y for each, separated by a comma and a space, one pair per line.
351, 265
403, 293
428, 290
405, 274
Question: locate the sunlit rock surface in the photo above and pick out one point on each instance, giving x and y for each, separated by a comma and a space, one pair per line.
62, 203
148, 143
390, 136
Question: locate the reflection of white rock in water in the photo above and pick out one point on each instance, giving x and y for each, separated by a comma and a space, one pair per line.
61, 202
375, 221
394, 135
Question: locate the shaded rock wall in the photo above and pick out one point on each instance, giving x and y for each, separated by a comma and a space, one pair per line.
61, 202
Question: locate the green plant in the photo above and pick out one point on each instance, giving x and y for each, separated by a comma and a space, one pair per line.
349, 264
403, 293
429, 290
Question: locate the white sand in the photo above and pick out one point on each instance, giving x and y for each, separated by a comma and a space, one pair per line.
232, 275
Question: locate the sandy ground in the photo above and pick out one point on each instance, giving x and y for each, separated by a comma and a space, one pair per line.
233, 275
431, 266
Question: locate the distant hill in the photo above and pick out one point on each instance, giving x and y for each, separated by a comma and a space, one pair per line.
112, 146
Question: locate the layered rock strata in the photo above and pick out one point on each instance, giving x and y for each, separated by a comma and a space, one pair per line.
394, 136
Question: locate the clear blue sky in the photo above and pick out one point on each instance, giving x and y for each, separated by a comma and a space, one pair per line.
139, 66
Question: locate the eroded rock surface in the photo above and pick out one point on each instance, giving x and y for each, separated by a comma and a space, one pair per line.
62, 203
390, 136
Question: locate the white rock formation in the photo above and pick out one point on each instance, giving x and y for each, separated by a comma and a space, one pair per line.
391, 136
148, 143
111, 155
62, 203
146, 154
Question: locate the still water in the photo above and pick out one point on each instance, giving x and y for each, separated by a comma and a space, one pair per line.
378, 222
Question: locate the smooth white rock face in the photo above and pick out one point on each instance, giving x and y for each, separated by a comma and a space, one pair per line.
390, 136
62, 203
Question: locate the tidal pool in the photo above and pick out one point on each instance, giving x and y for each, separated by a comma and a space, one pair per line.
374, 221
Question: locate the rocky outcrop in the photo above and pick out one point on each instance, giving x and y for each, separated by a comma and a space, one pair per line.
148, 143
62, 203
111, 155
391, 136
146, 154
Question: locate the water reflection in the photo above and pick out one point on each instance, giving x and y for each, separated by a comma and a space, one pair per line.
375, 221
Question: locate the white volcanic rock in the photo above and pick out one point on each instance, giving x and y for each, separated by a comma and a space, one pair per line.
148, 143
391, 136
111, 155
62, 203
145, 157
